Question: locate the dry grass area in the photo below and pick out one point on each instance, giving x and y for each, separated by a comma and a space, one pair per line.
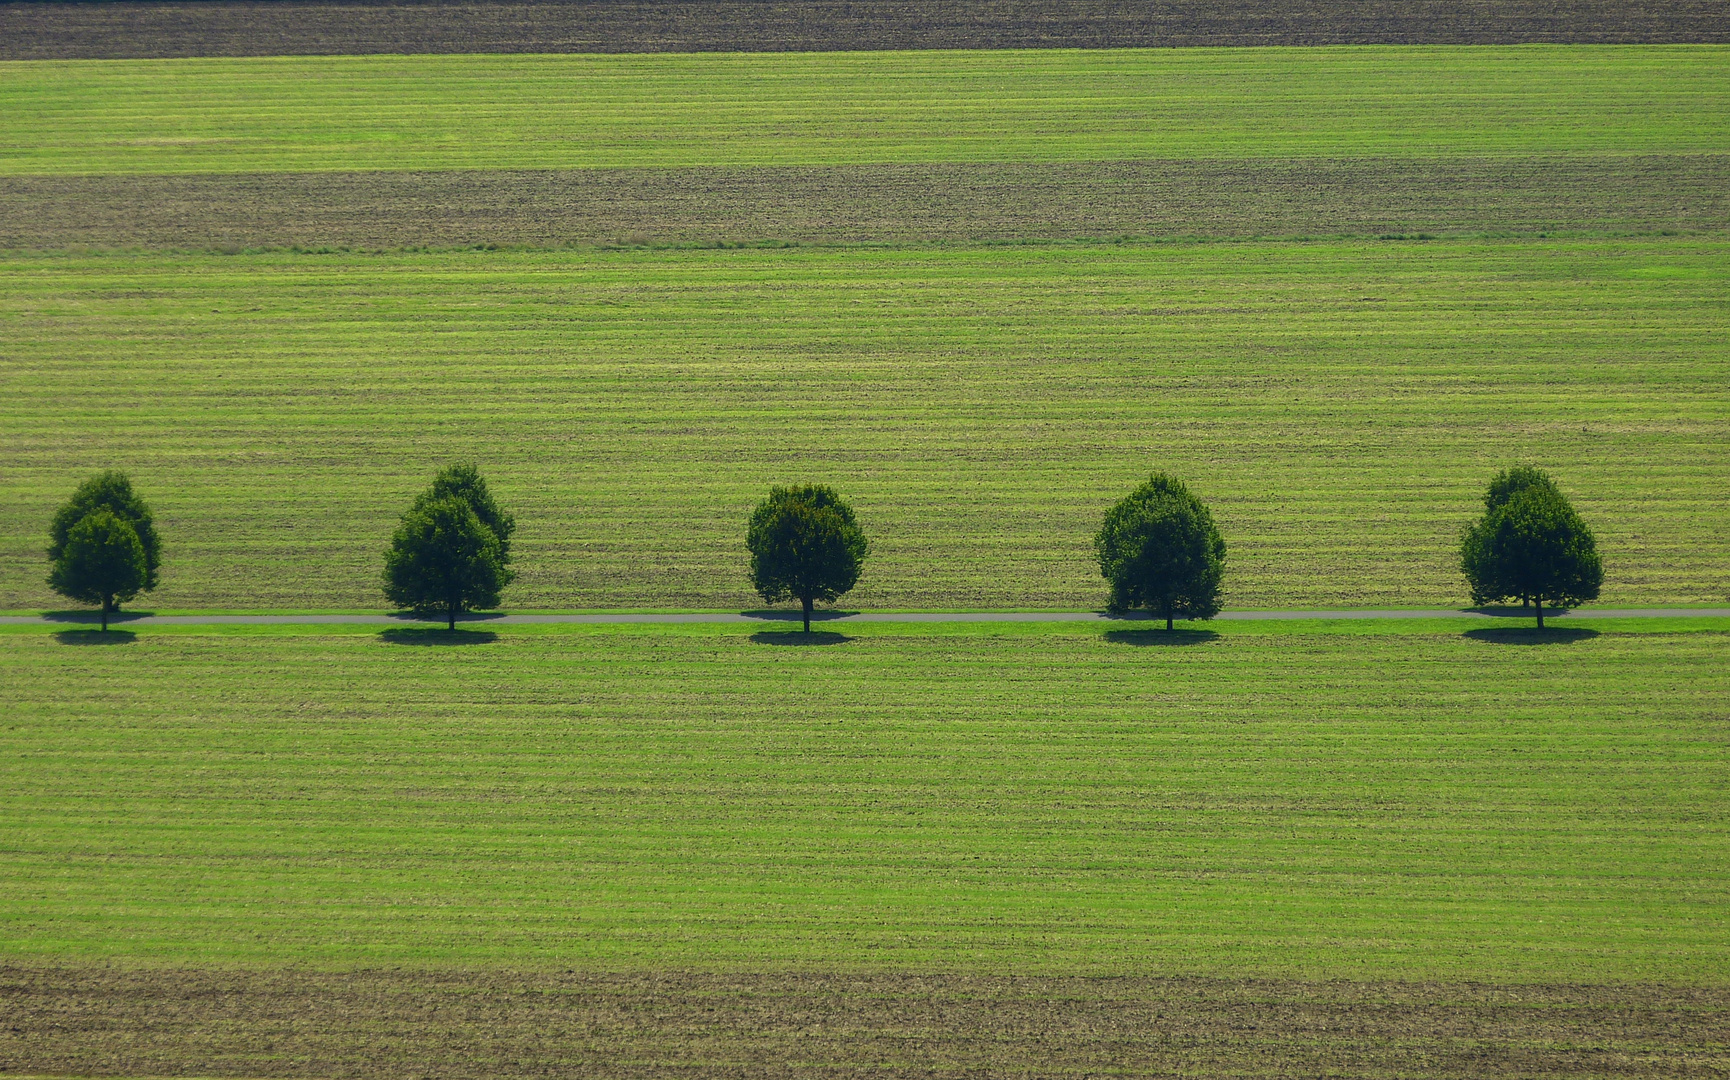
869, 203
287, 27
462, 1023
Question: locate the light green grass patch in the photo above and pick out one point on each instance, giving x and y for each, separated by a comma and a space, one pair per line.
278, 114
1363, 800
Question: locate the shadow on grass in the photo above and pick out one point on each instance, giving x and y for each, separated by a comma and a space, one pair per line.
76, 615
1160, 637
792, 615
1531, 635
95, 637
799, 637
406, 635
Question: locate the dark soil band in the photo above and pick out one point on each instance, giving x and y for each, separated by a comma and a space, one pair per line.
290, 27
94, 1020
867, 203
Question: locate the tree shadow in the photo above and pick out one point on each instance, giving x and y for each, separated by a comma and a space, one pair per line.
1531, 635
95, 637
426, 635
1510, 611
1161, 637
79, 615
793, 615
799, 637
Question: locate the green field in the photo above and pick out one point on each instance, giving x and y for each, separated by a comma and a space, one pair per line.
1341, 405
269, 290
1309, 800
514, 112
1340, 401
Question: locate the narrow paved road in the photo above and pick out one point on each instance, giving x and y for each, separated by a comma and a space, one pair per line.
126, 619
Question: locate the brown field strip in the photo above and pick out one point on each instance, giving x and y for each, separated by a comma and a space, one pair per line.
868, 203
44, 31
456, 1023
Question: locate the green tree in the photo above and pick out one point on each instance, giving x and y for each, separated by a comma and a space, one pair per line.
1510, 482
1533, 547
442, 558
463, 481
805, 545
1159, 550
1503, 487
101, 561
110, 491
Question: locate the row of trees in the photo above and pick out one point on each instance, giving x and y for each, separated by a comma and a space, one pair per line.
1158, 549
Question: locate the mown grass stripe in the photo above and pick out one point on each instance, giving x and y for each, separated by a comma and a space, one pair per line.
300, 114
1384, 800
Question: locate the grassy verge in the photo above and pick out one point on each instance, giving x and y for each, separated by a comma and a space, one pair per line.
1338, 800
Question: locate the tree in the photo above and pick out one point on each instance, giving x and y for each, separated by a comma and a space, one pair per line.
1510, 482
463, 480
1160, 550
1531, 546
110, 491
442, 558
805, 545
101, 561
1504, 486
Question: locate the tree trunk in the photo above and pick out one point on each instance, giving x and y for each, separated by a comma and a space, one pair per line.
451, 617
1538, 602
1168, 625
106, 600
807, 602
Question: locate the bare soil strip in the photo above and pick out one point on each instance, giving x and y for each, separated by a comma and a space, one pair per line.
285, 27
99, 1020
867, 203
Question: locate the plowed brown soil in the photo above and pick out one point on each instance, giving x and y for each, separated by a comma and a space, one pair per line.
869, 203
113, 1021
289, 27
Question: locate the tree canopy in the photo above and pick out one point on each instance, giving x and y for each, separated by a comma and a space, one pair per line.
1159, 550
101, 561
1530, 545
443, 556
111, 491
464, 481
805, 545
1510, 482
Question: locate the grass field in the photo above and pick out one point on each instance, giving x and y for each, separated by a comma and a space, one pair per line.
1352, 849
1305, 800
1301, 848
505, 112
1341, 405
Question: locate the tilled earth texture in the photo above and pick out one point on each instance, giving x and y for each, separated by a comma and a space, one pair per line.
105, 1021
870, 203
130, 29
